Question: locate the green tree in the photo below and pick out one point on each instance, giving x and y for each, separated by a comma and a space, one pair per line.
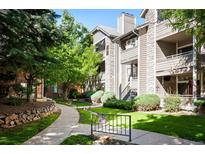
25, 38
75, 56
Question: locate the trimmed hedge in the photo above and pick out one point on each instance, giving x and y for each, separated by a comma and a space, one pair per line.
172, 103
88, 94
119, 104
13, 101
146, 102
107, 96
97, 96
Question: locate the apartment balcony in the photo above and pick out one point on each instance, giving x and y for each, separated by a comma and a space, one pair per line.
129, 55
174, 64
163, 30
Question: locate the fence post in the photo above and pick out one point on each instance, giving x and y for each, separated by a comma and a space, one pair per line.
91, 124
130, 128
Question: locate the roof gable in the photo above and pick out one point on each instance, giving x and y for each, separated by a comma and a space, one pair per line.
109, 31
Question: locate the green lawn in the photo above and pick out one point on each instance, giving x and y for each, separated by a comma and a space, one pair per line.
72, 103
85, 115
20, 134
184, 126
78, 140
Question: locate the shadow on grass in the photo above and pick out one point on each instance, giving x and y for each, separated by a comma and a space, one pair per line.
183, 126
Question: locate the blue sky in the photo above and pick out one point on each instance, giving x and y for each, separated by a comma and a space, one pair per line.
93, 17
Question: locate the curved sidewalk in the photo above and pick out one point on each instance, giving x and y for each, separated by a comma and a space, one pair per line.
59, 130
67, 125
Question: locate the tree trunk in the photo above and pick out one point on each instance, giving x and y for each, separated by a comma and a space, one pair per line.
65, 94
66, 91
29, 89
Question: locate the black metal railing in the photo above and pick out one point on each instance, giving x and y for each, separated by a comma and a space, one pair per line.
111, 123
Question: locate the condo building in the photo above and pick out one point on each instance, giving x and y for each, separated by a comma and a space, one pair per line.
149, 58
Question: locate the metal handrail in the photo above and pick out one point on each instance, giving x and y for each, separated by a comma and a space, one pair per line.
126, 89
111, 124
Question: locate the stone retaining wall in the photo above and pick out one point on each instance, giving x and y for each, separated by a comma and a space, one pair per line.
12, 120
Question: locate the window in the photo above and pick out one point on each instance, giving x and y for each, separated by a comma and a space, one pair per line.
100, 46
107, 50
185, 49
54, 88
134, 70
185, 85
131, 43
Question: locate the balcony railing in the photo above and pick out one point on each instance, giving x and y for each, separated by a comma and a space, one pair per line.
129, 55
174, 64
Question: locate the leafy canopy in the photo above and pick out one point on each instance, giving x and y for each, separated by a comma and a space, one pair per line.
77, 61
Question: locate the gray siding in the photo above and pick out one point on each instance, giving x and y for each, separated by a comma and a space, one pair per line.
151, 50
129, 55
109, 66
98, 36
163, 30
142, 61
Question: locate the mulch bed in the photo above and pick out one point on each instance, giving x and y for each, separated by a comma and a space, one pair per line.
8, 109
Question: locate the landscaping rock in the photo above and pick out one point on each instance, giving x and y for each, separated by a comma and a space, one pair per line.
2, 116
1, 122
13, 117
11, 120
12, 123
35, 118
18, 122
102, 140
7, 120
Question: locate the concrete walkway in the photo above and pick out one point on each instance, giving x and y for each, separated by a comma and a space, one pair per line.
59, 130
139, 137
67, 125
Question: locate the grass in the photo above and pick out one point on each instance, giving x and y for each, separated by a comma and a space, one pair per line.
72, 103
78, 140
85, 115
22, 133
184, 126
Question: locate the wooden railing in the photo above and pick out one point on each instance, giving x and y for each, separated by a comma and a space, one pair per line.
129, 55
174, 62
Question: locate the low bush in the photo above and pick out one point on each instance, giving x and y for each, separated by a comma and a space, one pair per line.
172, 103
119, 104
19, 90
146, 102
199, 102
88, 94
107, 96
97, 96
73, 94
13, 101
